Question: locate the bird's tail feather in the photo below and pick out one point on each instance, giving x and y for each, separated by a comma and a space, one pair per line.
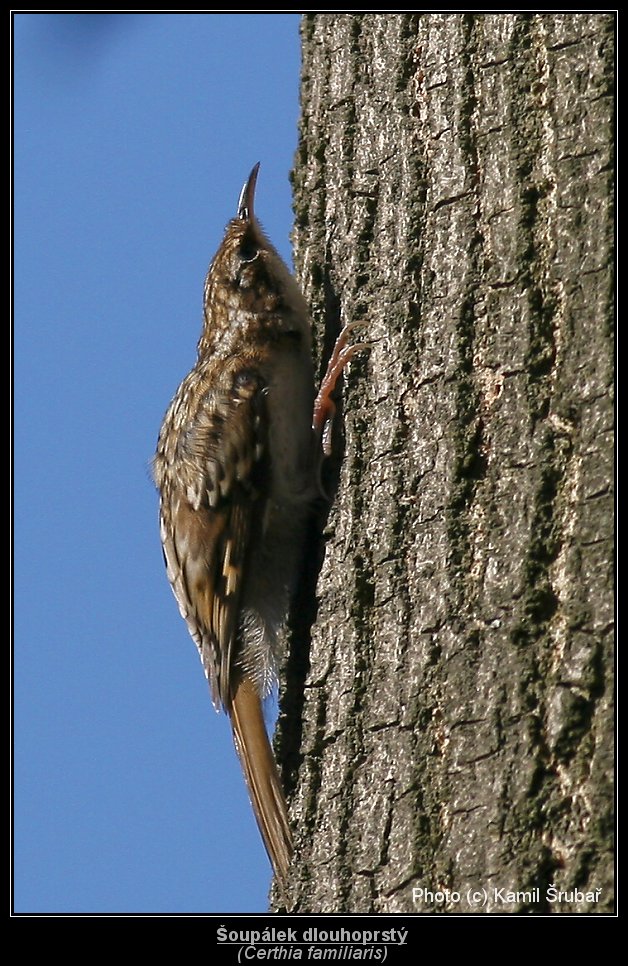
261, 775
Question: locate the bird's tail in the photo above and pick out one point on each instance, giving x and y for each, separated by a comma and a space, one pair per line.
261, 774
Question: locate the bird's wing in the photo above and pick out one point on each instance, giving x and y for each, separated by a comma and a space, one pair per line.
208, 495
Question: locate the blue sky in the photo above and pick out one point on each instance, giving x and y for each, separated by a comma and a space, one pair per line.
133, 136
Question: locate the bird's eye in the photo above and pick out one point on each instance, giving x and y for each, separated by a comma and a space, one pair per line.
248, 250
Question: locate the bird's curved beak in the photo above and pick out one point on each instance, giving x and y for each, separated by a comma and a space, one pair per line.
247, 196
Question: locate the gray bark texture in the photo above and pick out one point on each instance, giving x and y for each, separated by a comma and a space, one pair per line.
447, 722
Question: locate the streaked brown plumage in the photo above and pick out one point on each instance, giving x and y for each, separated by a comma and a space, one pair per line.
236, 472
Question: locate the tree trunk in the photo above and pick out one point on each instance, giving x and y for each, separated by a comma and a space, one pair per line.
448, 721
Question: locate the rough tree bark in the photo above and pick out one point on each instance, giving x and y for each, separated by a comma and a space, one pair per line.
449, 724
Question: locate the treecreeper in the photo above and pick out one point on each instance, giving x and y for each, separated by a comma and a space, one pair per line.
237, 469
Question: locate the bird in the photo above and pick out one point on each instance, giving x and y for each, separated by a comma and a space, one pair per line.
236, 468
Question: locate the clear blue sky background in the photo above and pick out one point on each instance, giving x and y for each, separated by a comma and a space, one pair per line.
133, 136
